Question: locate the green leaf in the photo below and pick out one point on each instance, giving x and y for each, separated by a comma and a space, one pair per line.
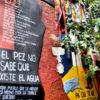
96, 28
98, 36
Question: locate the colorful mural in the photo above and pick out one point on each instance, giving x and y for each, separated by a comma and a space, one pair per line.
76, 85
21, 41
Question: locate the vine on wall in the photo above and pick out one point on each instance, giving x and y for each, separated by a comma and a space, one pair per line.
86, 36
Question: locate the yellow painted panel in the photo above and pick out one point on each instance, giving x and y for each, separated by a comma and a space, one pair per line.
84, 93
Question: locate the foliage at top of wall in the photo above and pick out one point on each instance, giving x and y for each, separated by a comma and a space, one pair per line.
86, 33
86, 36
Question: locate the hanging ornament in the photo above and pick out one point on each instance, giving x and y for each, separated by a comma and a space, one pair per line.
58, 51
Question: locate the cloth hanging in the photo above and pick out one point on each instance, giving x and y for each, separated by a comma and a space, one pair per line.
75, 10
60, 16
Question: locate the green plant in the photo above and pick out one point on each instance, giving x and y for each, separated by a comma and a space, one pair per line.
91, 71
87, 35
93, 13
87, 60
85, 39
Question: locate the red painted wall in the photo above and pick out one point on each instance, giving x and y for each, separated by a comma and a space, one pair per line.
50, 79
7, 32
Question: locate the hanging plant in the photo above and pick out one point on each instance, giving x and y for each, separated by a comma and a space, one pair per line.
85, 40
91, 71
87, 35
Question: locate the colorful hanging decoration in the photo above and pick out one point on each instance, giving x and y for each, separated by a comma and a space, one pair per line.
75, 10
60, 15
64, 8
